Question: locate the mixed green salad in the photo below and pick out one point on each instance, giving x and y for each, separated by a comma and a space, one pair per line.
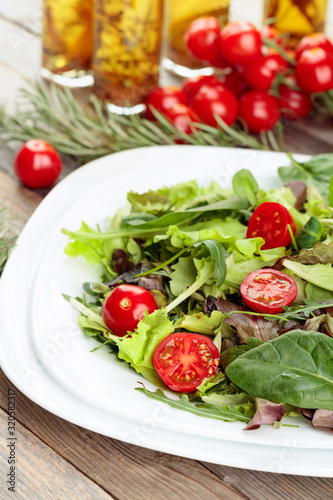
223, 297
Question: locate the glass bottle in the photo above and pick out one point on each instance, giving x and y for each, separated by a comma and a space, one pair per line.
68, 42
179, 16
296, 17
127, 43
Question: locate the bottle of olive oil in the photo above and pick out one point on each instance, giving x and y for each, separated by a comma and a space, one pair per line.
296, 17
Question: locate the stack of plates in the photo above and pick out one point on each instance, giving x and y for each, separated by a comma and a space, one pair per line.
46, 356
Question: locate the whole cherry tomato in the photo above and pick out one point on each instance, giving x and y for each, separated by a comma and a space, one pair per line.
210, 101
37, 164
259, 110
240, 42
125, 306
190, 86
313, 41
183, 360
202, 41
233, 81
314, 71
270, 221
268, 290
260, 74
182, 117
293, 103
163, 98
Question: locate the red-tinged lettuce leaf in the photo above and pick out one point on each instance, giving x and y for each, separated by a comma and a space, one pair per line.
299, 190
266, 414
322, 323
246, 325
323, 419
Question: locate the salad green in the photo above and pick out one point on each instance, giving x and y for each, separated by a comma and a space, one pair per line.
188, 245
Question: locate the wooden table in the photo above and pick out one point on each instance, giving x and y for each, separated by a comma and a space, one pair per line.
59, 460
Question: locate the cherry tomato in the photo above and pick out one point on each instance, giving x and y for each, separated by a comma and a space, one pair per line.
183, 360
312, 41
182, 117
259, 110
240, 42
202, 41
260, 74
163, 98
270, 221
37, 164
210, 101
233, 81
293, 103
190, 86
314, 71
267, 290
124, 308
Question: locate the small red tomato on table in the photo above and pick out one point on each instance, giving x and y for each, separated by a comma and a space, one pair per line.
240, 43
268, 290
183, 360
313, 41
202, 41
209, 102
261, 74
259, 110
293, 102
314, 70
37, 164
125, 307
164, 98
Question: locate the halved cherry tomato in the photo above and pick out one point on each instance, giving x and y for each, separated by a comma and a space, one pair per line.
37, 164
270, 221
182, 117
211, 101
240, 42
314, 71
259, 110
191, 86
202, 41
124, 308
312, 41
293, 103
163, 98
267, 290
183, 360
261, 74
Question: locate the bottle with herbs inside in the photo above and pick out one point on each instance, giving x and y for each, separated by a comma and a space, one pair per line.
127, 43
180, 14
68, 42
296, 18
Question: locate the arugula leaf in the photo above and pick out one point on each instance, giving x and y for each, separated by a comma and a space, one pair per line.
310, 234
295, 368
218, 254
227, 414
245, 186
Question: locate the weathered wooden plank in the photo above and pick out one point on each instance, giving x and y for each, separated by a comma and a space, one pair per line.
125, 471
27, 14
260, 485
40, 473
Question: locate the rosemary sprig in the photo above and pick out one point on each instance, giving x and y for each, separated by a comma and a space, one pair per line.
6, 242
87, 131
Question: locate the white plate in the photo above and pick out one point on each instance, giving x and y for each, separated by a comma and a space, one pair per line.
48, 357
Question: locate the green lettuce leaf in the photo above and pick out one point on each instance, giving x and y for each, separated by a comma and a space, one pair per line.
201, 323
318, 274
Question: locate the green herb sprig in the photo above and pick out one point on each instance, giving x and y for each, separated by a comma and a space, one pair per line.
6, 242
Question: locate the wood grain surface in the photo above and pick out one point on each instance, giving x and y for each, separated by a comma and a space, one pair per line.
59, 460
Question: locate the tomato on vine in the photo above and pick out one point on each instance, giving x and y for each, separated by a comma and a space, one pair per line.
37, 164
183, 360
240, 42
125, 307
191, 86
260, 74
314, 71
259, 110
313, 41
202, 41
293, 102
182, 117
219, 101
164, 98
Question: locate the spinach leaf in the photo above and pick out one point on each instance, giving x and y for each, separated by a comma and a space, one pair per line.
295, 368
245, 186
310, 234
315, 172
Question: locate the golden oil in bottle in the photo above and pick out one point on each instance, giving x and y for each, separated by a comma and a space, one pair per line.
68, 41
127, 43
296, 17
180, 14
